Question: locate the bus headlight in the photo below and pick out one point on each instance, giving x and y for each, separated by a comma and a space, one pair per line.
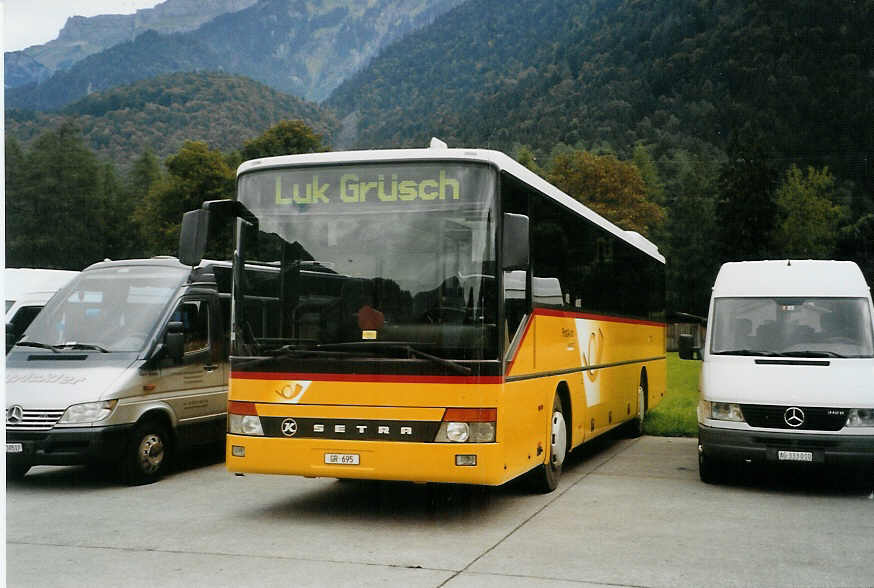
861, 417
243, 419
468, 425
720, 411
88, 412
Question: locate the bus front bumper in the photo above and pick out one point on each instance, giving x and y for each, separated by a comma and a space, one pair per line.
769, 446
369, 460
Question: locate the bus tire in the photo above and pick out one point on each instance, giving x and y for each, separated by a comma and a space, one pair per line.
148, 453
549, 473
635, 427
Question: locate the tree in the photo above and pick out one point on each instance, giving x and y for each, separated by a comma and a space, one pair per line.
56, 203
746, 210
195, 174
285, 138
612, 188
807, 218
691, 259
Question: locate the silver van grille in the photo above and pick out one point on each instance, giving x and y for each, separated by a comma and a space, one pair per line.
23, 419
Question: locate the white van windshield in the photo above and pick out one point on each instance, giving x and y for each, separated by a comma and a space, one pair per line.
792, 327
113, 309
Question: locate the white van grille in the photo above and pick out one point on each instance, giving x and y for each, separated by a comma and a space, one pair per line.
23, 419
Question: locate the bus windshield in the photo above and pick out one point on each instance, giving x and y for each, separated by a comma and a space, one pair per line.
369, 260
792, 327
109, 309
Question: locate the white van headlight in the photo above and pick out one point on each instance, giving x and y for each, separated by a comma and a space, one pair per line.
861, 417
720, 411
88, 412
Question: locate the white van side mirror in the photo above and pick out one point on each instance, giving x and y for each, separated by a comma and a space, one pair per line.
686, 347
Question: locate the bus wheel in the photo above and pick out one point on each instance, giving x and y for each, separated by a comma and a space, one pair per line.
147, 454
550, 472
635, 427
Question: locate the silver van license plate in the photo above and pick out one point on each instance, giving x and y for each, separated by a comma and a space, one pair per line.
795, 455
14, 448
342, 459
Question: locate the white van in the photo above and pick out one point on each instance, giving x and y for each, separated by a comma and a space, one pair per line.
123, 365
26, 291
788, 366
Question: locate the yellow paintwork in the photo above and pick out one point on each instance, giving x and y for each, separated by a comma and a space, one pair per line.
554, 342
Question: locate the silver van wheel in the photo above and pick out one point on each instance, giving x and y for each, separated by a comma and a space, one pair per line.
151, 453
148, 453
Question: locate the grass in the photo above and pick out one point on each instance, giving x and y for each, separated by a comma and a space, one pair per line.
675, 414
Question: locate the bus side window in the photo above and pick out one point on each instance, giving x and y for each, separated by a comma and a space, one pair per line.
517, 302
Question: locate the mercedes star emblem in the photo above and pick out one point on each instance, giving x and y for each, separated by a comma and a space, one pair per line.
794, 417
14, 415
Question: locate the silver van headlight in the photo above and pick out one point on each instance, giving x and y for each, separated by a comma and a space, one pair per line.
720, 411
860, 417
87, 412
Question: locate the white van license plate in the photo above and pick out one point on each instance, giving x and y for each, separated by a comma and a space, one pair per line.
795, 455
14, 448
342, 459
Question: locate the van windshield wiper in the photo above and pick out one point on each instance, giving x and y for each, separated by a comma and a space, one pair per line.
810, 353
37, 344
84, 346
747, 352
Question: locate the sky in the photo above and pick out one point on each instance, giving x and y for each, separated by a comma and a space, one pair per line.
34, 22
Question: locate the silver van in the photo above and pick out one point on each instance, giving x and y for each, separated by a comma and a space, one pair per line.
125, 364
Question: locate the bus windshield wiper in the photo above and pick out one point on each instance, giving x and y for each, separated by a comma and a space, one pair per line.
37, 344
810, 353
401, 346
747, 352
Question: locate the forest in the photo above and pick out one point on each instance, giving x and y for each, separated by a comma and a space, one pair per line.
722, 131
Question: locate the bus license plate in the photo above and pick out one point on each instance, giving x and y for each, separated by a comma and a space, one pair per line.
14, 448
342, 459
795, 455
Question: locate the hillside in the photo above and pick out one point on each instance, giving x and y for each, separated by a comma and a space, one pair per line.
162, 113
794, 77
305, 48
84, 36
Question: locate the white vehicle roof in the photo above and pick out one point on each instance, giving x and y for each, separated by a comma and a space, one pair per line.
439, 151
34, 283
790, 278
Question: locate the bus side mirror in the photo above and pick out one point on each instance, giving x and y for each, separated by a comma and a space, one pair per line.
686, 347
192, 237
174, 341
514, 248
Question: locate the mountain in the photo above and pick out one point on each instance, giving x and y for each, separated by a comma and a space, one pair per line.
795, 78
84, 36
162, 113
300, 47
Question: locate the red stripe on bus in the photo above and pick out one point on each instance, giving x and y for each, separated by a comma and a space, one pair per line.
383, 378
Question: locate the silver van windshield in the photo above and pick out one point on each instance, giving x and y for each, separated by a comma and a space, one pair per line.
792, 327
113, 308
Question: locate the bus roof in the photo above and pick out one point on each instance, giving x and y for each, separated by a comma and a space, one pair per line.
439, 152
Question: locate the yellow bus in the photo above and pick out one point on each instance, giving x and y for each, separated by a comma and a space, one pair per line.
429, 315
